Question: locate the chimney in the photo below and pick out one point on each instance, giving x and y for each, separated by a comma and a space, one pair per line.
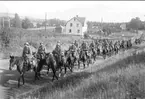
76, 15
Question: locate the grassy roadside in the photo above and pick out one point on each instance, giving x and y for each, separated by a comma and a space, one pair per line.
18, 37
114, 79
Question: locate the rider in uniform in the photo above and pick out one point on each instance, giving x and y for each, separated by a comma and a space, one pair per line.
72, 49
26, 53
92, 45
58, 48
76, 44
41, 51
84, 47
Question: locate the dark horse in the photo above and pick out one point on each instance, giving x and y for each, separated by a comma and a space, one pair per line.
83, 58
41, 60
52, 63
70, 59
21, 68
60, 61
93, 54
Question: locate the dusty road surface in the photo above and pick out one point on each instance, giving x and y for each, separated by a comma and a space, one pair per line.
8, 79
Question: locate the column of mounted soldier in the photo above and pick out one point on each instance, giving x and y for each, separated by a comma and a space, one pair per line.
58, 60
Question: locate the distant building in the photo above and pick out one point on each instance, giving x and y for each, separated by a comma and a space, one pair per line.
34, 24
59, 29
75, 26
123, 26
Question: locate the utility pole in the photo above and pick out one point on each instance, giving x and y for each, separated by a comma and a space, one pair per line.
45, 20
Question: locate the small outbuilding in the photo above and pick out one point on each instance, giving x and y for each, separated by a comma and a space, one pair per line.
59, 29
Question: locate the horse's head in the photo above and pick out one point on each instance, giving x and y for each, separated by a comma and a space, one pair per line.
34, 54
47, 55
12, 62
63, 54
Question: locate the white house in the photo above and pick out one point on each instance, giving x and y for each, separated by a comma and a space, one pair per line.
76, 26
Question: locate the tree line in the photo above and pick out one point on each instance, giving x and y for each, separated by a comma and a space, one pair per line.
133, 24
27, 23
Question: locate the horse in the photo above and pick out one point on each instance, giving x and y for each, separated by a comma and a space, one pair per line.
21, 68
82, 58
93, 54
41, 60
51, 63
60, 60
104, 52
70, 59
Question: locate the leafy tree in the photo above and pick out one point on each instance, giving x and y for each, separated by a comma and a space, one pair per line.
38, 25
26, 23
5, 38
55, 21
17, 21
135, 23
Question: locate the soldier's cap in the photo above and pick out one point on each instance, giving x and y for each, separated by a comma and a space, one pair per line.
26, 43
41, 42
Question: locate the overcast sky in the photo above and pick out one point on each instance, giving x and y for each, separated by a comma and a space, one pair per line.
110, 11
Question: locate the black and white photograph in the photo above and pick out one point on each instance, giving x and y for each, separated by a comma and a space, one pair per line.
72, 49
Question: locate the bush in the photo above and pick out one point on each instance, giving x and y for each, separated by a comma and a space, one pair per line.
5, 38
86, 36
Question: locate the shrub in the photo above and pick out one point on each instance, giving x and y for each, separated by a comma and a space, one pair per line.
86, 36
5, 38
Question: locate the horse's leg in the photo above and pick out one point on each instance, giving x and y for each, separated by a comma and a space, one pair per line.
84, 64
65, 69
71, 67
60, 71
38, 69
48, 70
88, 62
19, 81
78, 64
23, 78
54, 74
36, 74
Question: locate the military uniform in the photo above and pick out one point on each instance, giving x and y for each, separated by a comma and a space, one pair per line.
72, 48
58, 49
41, 51
84, 48
26, 53
76, 44
92, 46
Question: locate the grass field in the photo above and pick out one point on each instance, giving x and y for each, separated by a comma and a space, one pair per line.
19, 36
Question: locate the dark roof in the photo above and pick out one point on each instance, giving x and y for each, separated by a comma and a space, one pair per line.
80, 19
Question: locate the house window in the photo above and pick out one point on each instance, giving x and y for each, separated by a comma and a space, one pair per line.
70, 24
77, 25
69, 30
78, 31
